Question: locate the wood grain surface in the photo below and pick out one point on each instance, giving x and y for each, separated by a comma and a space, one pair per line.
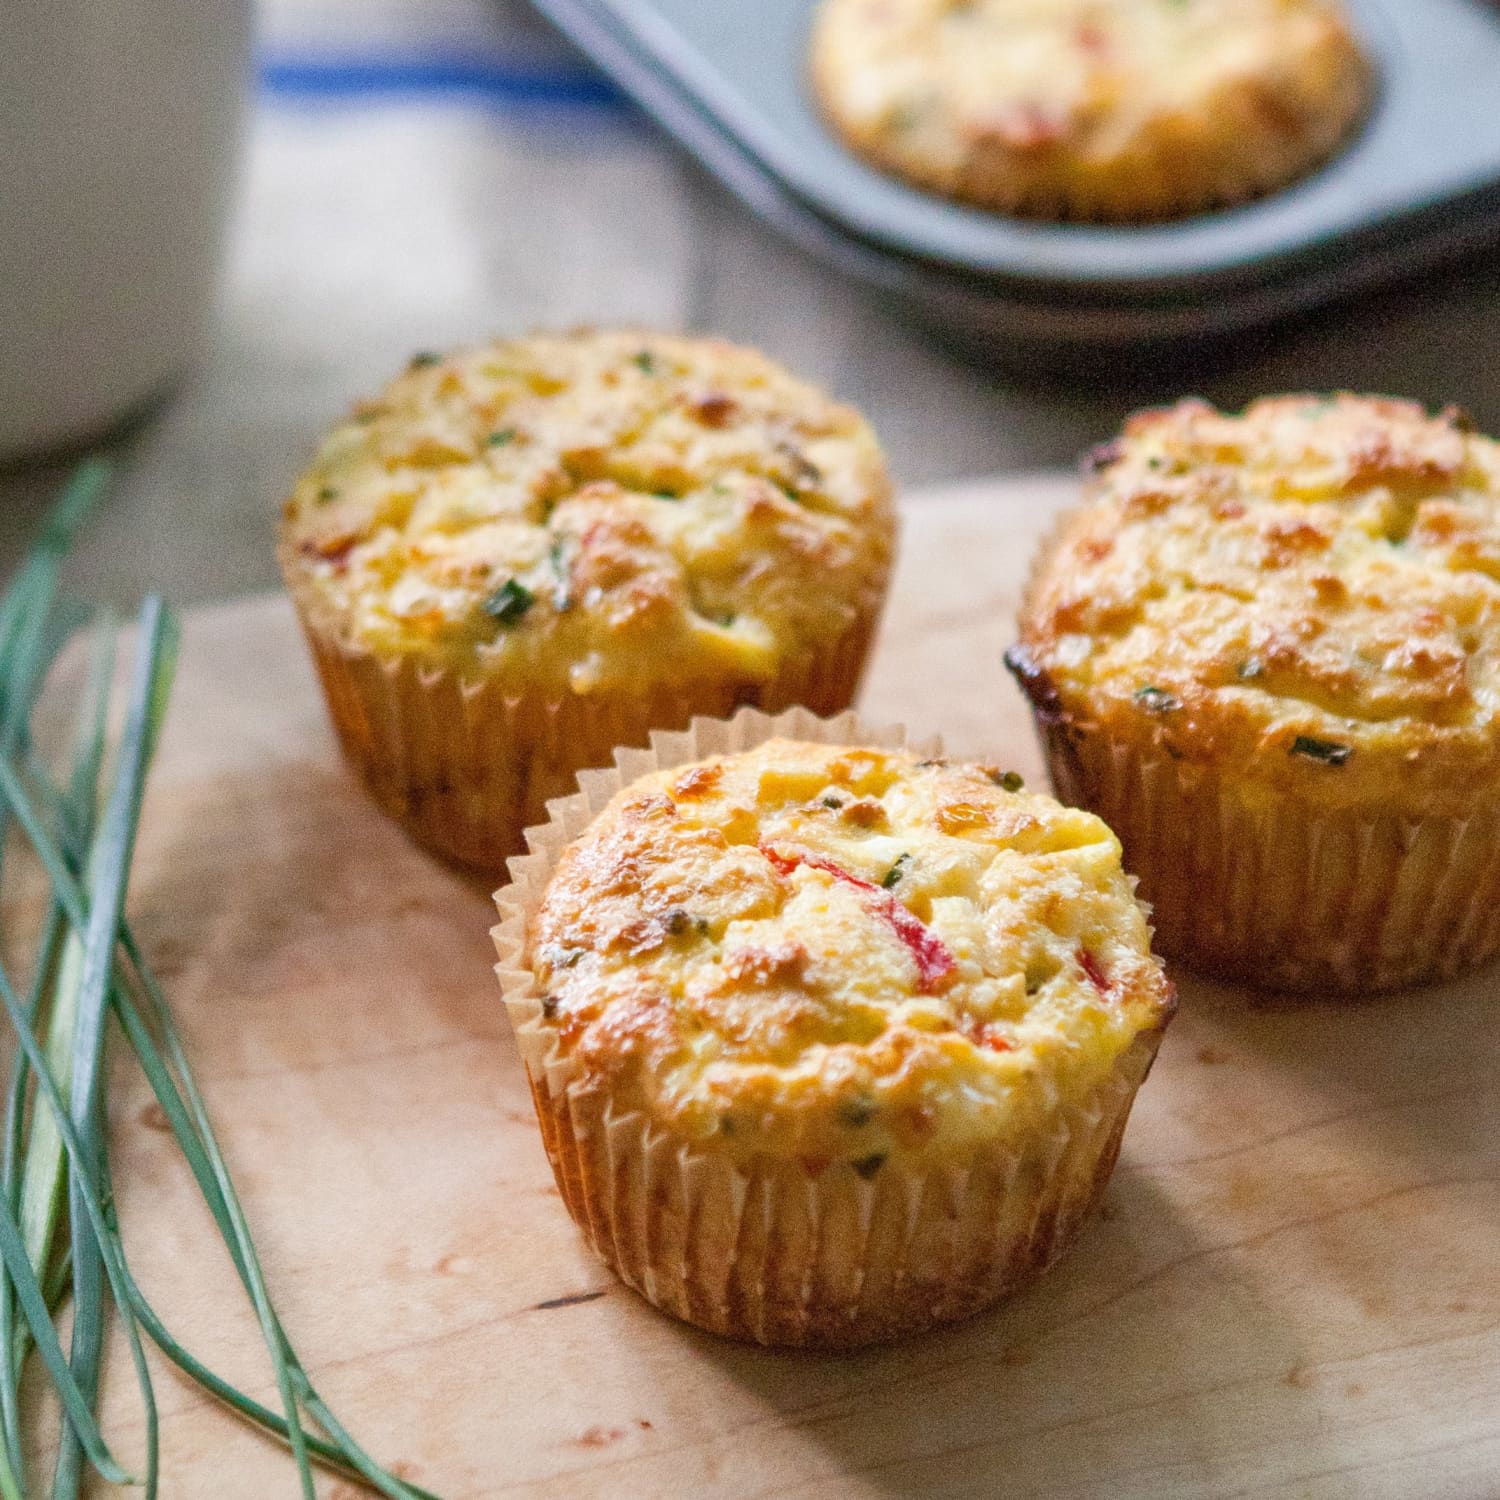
1292, 1289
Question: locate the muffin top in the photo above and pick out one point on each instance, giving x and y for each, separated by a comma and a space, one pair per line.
838, 953
592, 508
1115, 109
1308, 593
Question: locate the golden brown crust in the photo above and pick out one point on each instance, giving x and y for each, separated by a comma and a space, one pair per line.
1134, 110
521, 556
842, 955
1306, 597
581, 511
1267, 652
777, 1243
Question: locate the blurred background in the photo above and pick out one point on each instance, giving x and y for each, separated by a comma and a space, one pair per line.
419, 173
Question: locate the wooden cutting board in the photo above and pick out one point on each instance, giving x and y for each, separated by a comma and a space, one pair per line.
1293, 1286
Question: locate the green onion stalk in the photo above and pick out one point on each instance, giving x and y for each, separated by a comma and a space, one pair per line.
60, 1240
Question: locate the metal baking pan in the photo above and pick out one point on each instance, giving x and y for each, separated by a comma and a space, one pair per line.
1419, 185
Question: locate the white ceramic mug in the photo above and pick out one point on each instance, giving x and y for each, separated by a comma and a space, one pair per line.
120, 123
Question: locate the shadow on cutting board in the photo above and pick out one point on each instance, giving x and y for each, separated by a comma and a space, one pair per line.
1304, 1218
1108, 1365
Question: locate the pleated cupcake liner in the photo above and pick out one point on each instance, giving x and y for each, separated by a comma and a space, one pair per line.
1259, 888
466, 766
1267, 890
769, 1250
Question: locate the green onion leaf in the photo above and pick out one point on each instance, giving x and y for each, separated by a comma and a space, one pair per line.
109, 873
88, 962
78, 1410
37, 1232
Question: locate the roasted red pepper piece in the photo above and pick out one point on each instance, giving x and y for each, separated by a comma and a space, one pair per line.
983, 1034
934, 962
1095, 971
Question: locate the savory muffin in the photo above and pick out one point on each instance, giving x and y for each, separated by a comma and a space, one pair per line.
830, 1042
520, 556
1091, 109
1267, 653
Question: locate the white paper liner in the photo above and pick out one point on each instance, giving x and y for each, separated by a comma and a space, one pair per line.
468, 766
769, 1251
1267, 891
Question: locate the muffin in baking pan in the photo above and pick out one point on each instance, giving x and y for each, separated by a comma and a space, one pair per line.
828, 1042
1267, 652
521, 555
1125, 111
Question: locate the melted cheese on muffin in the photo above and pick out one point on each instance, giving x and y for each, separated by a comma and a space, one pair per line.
593, 508
838, 953
1120, 108
1309, 592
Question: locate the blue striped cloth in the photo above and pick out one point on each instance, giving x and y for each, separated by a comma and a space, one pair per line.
525, 82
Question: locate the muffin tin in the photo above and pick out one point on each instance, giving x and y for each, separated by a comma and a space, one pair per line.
1417, 186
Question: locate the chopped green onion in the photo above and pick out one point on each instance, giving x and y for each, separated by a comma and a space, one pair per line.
896, 874
1157, 700
510, 601
1326, 751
